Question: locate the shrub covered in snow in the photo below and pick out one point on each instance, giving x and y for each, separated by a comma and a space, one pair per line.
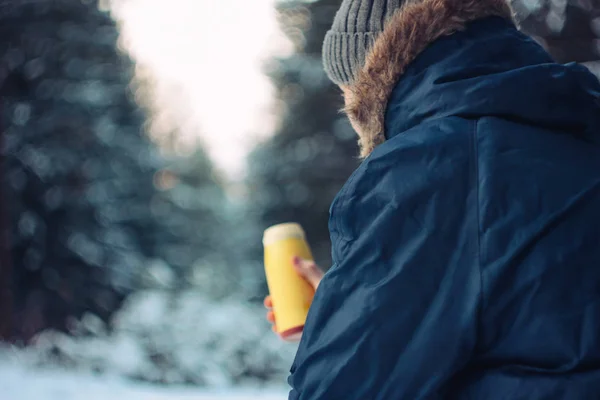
172, 338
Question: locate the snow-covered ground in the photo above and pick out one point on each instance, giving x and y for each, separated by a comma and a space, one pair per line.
165, 339
158, 343
18, 382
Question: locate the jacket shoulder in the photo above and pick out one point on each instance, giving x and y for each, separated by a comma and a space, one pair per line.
405, 173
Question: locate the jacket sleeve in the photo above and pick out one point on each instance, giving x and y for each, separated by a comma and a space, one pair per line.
396, 317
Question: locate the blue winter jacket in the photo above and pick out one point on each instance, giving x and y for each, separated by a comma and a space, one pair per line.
466, 246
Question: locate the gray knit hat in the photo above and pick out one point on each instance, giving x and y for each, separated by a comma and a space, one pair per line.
355, 28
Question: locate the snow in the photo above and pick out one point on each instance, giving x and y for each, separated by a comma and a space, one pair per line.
19, 382
161, 345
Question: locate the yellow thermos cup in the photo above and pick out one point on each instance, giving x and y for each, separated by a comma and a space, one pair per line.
290, 293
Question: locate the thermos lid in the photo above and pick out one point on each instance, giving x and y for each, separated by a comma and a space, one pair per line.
283, 231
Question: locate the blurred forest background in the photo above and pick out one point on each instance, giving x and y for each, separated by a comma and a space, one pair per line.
119, 255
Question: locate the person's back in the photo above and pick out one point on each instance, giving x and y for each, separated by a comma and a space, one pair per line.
539, 257
537, 148
467, 244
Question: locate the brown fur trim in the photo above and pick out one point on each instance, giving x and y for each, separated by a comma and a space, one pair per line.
406, 34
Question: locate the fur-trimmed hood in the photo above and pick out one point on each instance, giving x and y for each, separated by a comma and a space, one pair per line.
406, 34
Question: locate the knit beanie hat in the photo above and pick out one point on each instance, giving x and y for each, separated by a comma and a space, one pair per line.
355, 28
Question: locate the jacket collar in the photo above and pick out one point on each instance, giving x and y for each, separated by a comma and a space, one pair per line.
406, 35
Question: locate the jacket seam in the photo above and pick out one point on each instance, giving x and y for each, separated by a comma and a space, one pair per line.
348, 187
480, 306
337, 223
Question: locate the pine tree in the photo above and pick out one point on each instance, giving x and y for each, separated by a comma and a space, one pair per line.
191, 208
78, 169
295, 175
567, 29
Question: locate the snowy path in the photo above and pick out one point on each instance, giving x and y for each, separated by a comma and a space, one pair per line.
17, 383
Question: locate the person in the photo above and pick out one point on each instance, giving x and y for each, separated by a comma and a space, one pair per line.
466, 246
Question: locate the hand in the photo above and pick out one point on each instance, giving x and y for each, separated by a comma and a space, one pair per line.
308, 270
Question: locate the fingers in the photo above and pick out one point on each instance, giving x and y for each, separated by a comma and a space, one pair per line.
309, 271
268, 302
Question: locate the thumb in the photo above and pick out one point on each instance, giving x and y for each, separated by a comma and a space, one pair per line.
309, 271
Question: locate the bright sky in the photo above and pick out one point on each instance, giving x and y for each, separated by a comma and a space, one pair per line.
206, 58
